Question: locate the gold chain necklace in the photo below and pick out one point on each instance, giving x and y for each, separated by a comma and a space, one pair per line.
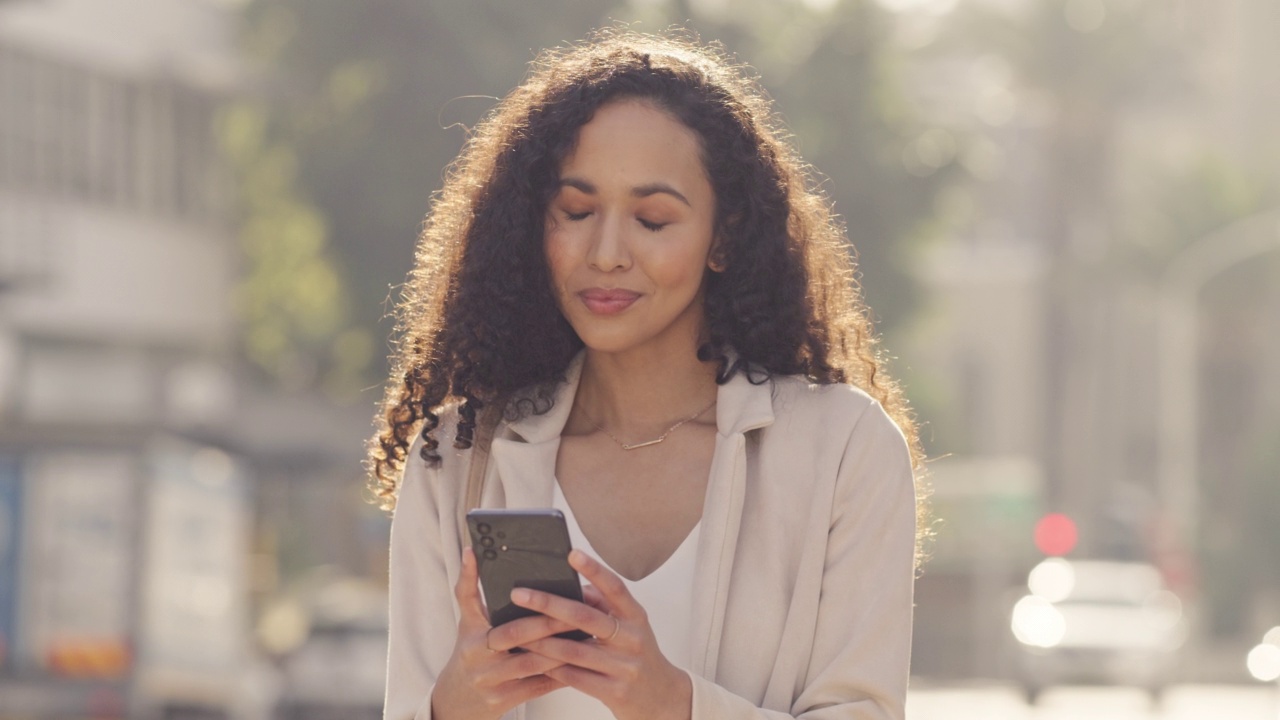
636, 446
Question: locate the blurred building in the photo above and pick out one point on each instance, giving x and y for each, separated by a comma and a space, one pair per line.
124, 518
150, 490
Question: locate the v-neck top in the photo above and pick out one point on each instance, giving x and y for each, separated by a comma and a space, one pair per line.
666, 596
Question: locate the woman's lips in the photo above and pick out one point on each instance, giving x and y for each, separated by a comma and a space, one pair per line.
608, 302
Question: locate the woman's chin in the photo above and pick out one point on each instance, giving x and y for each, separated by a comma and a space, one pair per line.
599, 343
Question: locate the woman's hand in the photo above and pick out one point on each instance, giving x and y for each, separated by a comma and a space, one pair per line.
622, 667
482, 680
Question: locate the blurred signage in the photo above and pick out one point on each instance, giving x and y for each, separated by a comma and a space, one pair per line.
76, 570
195, 593
985, 509
10, 531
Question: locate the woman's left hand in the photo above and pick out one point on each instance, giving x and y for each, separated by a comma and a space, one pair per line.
622, 667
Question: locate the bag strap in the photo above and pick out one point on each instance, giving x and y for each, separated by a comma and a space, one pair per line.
482, 438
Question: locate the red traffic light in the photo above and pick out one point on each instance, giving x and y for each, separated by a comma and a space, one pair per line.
1055, 534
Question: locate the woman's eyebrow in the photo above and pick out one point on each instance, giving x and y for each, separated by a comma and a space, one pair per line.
659, 187
640, 191
578, 184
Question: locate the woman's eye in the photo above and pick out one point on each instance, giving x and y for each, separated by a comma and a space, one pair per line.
576, 216
653, 226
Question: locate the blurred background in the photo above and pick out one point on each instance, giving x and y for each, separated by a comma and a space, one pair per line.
1067, 214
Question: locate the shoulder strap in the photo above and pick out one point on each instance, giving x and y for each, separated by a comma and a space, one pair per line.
486, 423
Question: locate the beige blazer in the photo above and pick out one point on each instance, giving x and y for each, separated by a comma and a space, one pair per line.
803, 596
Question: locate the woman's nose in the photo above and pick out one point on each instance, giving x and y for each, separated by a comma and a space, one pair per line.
609, 245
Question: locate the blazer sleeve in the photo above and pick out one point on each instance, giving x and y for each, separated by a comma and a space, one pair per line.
422, 616
860, 663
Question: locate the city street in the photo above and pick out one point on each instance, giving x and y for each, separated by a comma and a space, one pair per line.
1189, 702
1013, 265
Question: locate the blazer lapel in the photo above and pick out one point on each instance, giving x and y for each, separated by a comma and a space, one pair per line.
741, 407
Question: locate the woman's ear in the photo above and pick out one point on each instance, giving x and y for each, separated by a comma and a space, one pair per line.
715, 261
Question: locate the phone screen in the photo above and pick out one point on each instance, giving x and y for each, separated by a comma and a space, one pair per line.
522, 548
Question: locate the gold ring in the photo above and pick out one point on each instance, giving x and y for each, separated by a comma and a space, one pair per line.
486, 642
616, 627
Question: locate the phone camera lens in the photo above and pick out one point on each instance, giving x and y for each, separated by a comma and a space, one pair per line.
486, 541
490, 555
484, 528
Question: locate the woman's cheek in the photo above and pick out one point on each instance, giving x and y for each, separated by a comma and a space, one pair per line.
554, 247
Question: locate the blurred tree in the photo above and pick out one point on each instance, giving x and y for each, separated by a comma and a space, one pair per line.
292, 301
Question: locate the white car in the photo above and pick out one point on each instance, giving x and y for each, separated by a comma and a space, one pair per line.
1096, 621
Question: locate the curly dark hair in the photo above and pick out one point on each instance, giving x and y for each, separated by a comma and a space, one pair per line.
478, 320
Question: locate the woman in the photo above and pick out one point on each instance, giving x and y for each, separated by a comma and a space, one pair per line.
634, 269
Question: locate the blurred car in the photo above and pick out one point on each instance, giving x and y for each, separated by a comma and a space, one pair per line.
339, 670
1096, 622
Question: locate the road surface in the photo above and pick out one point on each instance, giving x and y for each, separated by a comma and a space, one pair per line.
1187, 702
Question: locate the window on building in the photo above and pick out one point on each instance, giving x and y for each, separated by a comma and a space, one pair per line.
71, 132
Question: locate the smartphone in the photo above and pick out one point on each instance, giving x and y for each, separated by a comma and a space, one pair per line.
522, 548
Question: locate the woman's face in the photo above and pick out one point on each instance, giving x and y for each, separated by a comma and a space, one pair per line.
629, 231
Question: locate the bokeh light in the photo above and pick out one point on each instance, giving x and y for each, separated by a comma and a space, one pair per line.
1264, 662
1056, 534
1038, 623
1052, 580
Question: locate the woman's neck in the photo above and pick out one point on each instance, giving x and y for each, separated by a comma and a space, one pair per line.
638, 392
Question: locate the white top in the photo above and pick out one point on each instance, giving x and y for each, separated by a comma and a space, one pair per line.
665, 594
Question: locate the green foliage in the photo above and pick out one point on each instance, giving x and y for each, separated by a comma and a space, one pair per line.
291, 300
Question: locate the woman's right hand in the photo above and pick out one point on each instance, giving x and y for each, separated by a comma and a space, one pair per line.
482, 679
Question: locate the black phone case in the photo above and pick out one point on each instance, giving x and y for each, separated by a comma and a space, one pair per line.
522, 548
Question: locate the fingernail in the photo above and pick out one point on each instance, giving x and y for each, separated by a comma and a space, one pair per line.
520, 595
